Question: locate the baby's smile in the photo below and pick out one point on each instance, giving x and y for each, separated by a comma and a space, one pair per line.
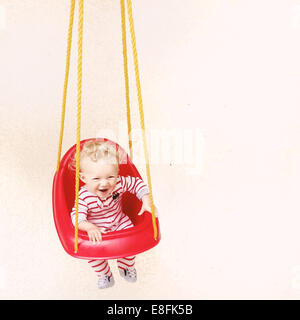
104, 192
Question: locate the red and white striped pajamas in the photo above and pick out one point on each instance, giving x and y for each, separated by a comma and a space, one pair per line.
108, 215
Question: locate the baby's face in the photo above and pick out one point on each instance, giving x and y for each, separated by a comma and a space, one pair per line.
99, 177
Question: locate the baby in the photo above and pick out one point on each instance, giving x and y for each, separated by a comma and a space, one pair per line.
99, 204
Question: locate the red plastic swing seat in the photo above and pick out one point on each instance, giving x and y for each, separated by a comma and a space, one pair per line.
115, 244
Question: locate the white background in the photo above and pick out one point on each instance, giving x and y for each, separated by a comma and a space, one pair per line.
225, 73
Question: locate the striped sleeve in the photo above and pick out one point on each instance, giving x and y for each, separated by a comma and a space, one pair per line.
82, 211
135, 185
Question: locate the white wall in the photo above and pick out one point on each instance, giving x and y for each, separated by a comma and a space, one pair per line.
225, 74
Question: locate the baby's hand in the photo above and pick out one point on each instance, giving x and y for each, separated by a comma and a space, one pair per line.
94, 234
146, 207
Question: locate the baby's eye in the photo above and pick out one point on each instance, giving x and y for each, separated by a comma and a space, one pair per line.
95, 178
111, 177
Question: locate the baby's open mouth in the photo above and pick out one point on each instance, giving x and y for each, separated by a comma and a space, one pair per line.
103, 190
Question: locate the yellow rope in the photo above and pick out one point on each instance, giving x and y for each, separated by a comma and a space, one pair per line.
79, 93
71, 19
79, 86
138, 85
126, 75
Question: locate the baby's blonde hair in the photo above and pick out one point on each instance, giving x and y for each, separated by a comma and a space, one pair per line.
95, 151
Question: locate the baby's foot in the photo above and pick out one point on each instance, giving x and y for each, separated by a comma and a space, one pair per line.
129, 274
105, 282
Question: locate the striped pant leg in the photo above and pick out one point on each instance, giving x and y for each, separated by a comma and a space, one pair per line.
125, 262
101, 267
